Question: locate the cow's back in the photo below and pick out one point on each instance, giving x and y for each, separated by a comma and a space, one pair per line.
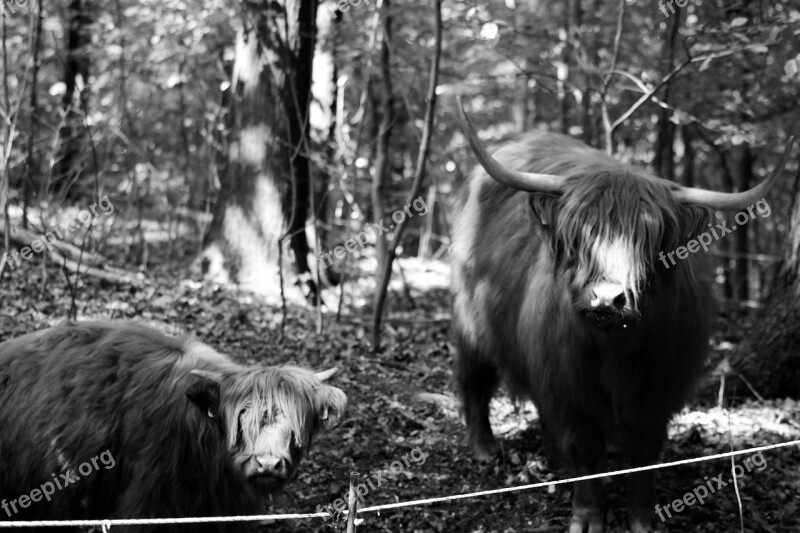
68, 393
71, 392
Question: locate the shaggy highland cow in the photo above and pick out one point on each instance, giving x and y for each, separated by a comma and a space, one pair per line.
558, 291
184, 430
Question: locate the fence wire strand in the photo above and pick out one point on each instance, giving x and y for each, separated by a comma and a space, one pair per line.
106, 525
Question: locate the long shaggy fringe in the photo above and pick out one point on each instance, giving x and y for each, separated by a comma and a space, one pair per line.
614, 223
286, 390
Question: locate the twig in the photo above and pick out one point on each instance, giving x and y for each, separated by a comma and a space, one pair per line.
750, 386
283, 294
609, 129
352, 503
73, 310
9, 126
666, 79
419, 174
406, 286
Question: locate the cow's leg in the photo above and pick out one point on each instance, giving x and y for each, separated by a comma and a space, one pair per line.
584, 448
588, 507
477, 379
644, 449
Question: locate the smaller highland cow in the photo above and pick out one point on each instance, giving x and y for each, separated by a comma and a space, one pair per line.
181, 430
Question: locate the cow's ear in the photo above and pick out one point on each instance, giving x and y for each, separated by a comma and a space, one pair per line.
543, 208
331, 403
204, 393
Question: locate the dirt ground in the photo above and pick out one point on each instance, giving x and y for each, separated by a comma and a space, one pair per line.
401, 400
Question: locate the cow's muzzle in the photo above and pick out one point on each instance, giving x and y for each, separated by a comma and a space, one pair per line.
606, 305
268, 466
268, 473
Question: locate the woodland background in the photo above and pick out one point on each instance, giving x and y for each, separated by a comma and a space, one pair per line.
239, 139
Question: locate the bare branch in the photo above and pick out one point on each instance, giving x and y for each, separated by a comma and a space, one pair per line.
609, 129
419, 175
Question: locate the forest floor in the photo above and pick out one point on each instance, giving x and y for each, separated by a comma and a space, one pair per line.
401, 402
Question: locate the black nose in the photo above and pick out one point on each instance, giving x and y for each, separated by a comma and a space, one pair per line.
606, 305
608, 297
273, 467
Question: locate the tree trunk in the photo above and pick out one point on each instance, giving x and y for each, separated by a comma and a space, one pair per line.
519, 107
689, 155
562, 70
76, 79
296, 101
726, 246
664, 161
769, 358
383, 148
265, 188
584, 60
743, 173
220, 137
324, 126
33, 162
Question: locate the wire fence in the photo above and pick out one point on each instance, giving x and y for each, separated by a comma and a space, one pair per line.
106, 525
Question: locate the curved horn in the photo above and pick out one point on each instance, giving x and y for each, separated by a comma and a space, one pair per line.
213, 377
326, 374
526, 181
733, 200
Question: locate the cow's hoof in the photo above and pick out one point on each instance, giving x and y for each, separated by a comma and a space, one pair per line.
586, 521
644, 525
484, 449
641, 520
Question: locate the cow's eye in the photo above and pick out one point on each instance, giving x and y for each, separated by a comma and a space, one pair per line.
269, 416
